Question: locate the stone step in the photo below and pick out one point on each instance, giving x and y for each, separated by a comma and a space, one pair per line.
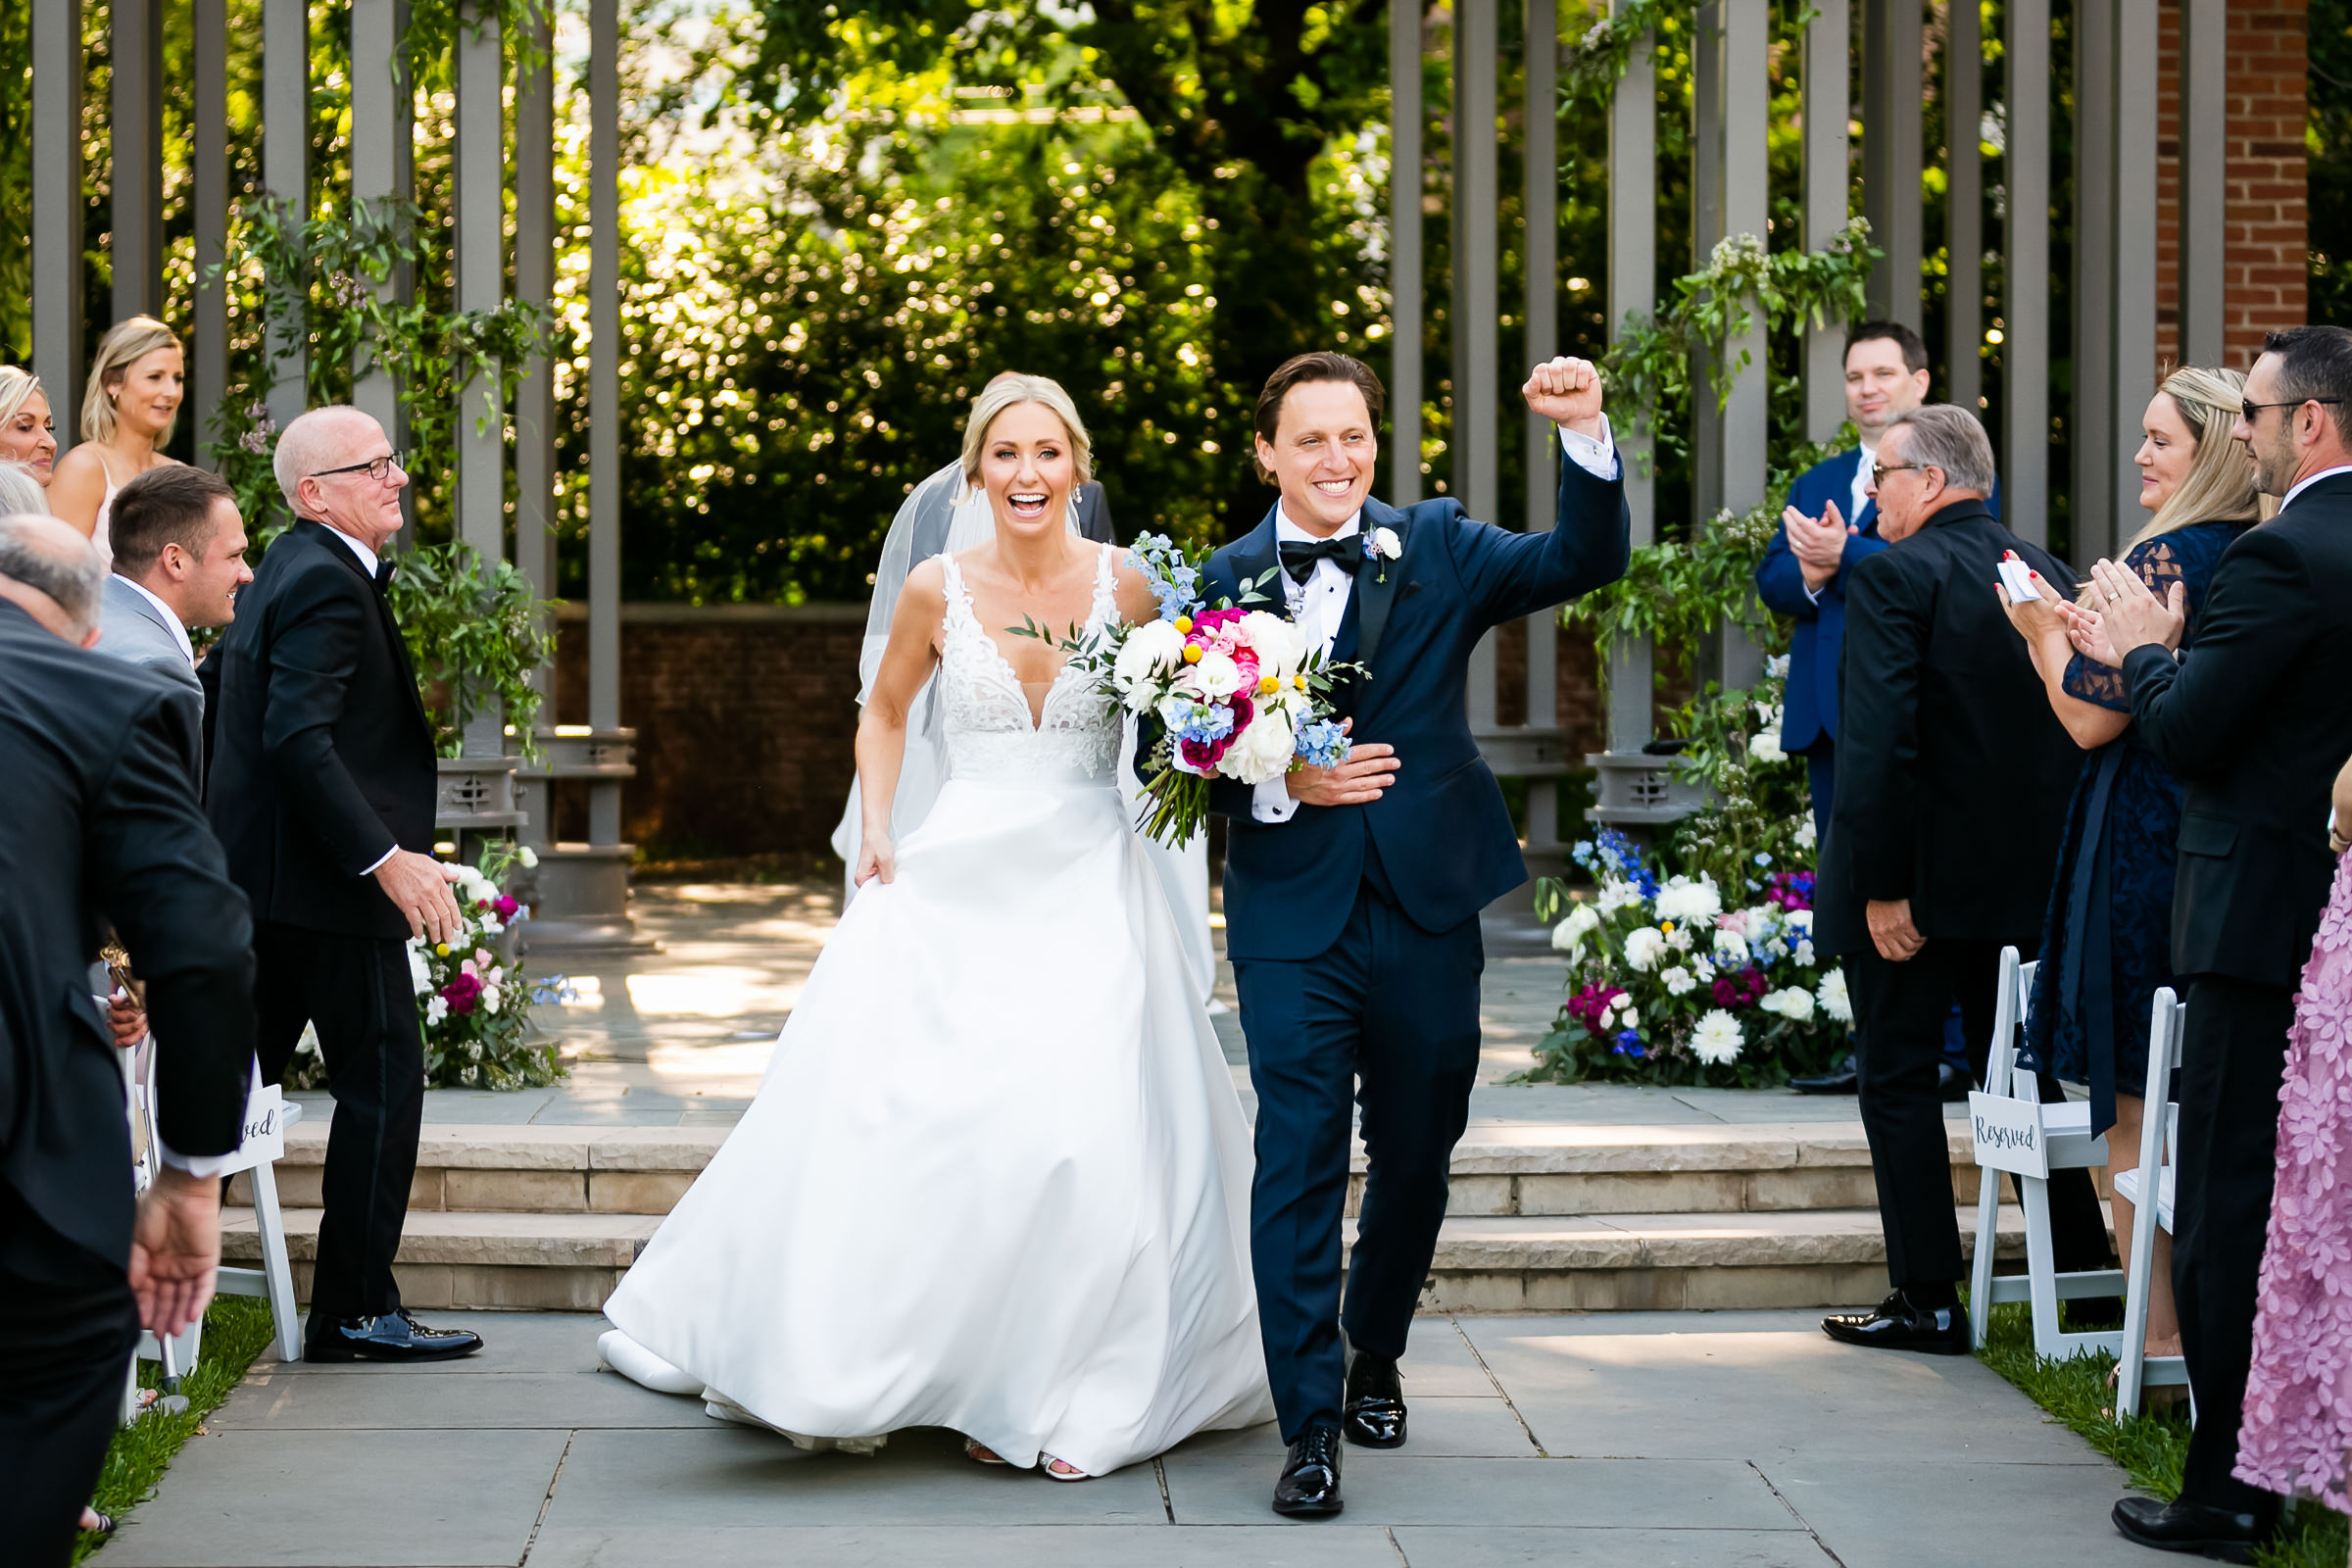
1498, 1170
1618, 1263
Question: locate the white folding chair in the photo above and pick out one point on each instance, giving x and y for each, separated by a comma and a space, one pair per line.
2013, 1131
2159, 1146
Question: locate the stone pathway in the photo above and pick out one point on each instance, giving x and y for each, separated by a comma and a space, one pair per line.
1615, 1440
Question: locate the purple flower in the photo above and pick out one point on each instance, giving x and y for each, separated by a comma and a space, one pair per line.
462, 993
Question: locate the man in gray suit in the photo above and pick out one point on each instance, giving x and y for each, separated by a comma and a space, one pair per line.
179, 560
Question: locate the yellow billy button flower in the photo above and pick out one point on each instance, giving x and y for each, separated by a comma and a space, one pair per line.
1269, 685
1183, 626
1298, 682
442, 947
1191, 652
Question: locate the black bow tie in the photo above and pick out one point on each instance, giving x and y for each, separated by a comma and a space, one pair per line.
1298, 556
384, 570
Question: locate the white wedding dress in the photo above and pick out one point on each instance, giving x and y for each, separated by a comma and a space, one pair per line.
996, 1178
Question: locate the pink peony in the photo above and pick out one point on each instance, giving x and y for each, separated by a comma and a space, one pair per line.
463, 991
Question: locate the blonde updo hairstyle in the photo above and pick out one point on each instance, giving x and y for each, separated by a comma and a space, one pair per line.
2220, 486
1007, 390
16, 387
127, 343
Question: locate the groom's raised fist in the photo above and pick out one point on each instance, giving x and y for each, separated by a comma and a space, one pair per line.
1567, 392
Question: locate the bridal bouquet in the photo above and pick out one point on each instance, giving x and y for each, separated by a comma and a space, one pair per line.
1236, 693
1668, 985
472, 998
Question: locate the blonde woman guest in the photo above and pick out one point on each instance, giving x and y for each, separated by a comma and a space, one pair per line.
135, 387
27, 431
2107, 937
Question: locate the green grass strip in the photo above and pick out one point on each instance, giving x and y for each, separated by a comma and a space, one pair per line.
2151, 1447
236, 1328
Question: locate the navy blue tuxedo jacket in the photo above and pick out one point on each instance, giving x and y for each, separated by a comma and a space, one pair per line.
1811, 701
1443, 834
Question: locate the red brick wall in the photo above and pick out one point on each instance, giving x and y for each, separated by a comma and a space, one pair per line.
746, 720
2266, 249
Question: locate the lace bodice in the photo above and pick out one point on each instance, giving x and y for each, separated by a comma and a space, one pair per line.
987, 732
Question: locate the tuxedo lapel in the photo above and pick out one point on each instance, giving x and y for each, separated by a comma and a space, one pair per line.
1377, 581
338, 550
1254, 557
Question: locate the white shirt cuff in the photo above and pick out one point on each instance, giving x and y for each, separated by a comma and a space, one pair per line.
1597, 457
1813, 594
380, 860
1273, 802
199, 1166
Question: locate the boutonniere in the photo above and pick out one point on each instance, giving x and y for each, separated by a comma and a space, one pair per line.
1382, 545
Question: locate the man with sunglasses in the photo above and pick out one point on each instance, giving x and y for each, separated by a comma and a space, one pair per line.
321, 789
2255, 722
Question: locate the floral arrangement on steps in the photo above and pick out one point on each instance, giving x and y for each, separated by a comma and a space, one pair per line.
473, 996
1669, 986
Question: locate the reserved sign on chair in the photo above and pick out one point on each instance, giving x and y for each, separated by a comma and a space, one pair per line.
2007, 1134
265, 1137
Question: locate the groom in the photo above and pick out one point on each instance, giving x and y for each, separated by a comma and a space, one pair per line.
1352, 893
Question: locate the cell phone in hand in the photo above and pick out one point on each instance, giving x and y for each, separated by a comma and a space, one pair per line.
2017, 578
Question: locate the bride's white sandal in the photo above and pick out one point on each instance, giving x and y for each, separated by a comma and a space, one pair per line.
1060, 1469
973, 1451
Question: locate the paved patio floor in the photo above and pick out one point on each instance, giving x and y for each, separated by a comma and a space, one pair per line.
1633, 1441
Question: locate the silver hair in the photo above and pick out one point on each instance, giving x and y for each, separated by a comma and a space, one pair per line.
1950, 439
20, 492
74, 578
309, 445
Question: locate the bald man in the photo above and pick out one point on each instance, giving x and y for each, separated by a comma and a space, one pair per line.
100, 826
323, 787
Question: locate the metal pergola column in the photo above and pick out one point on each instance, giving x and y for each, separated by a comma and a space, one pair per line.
1964, 204
382, 169
2026, 271
1891, 41
57, 305
1475, 330
1828, 99
1404, 252
480, 206
286, 168
136, 133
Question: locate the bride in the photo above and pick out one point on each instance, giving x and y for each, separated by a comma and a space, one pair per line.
996, 1178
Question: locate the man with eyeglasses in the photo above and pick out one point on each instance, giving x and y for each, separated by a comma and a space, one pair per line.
2255, 722
1953, 777
321, 789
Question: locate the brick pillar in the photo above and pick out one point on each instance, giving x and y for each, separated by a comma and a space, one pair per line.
2267, 263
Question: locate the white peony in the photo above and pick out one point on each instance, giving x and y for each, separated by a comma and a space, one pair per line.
1834, 1000
1794, 1003
1261, 752
1645, 946
1731, 947
1616, 894
1570, 933
1677, 981
1386, 543
1682, 899
1717, 1038
1216, 675
1764, 745
1151, 651
1281, 646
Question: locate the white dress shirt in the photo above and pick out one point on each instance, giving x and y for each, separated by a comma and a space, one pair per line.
2302, 485
1320, 603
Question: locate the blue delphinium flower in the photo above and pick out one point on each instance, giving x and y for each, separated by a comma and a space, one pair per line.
1322, 744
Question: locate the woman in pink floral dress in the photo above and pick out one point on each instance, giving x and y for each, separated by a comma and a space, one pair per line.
2297, 1436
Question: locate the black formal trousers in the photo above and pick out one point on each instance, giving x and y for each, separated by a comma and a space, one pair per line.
1396, 1007
1900, 1012
67, 1325
357, 991
2233, 1058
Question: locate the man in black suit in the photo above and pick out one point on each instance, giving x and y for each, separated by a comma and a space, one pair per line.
1952, 783
2255, 722
321, 789
100, 825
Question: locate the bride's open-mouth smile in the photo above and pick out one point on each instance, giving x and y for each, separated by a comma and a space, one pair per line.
1027, 505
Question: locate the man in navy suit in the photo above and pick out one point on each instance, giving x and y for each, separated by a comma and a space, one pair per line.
1804, 575
1352, 893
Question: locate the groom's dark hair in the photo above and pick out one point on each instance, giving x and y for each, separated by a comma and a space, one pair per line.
1324, 365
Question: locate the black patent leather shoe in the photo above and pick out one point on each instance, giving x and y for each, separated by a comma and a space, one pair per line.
1309, 1487
1840, 1080
2192, 1527
1374, 1414
394, 1337
1897, 1325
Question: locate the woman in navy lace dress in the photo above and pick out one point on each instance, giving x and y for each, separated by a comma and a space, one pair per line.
2107, 937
